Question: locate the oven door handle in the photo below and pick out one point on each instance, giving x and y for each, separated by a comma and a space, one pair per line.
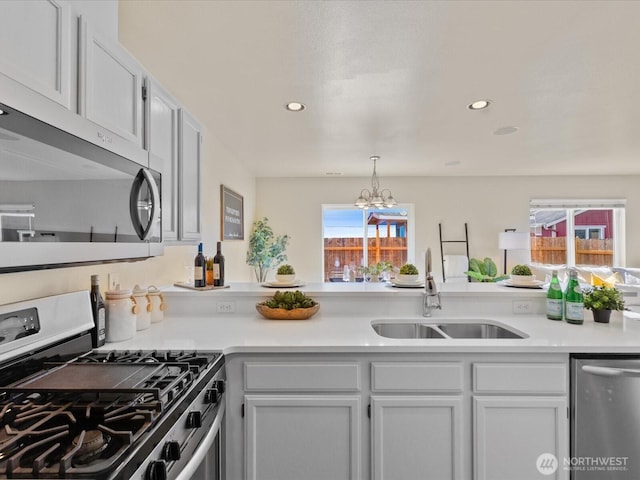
202, 450
610, 372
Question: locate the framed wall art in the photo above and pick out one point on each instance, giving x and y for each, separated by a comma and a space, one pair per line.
231, 214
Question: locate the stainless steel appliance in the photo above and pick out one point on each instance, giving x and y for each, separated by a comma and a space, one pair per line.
605, 418
70, 412
66, 200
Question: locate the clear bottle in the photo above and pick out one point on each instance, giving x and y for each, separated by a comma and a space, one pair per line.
574, 300
554, 298
199, 271
98, 310
218, 266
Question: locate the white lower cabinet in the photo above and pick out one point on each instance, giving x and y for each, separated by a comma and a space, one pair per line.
415, 437
310, 437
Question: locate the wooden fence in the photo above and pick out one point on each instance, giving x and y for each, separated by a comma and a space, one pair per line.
588, 251
348, 251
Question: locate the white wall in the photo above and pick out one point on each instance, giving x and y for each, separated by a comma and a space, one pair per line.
487, 204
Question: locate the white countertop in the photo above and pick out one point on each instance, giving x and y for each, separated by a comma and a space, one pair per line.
248, 332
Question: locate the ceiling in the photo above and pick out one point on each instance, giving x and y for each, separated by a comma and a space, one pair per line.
394, 78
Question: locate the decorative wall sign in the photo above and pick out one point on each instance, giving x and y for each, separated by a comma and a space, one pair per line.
232, 214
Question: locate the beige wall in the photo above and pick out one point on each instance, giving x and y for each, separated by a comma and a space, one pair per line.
487, 204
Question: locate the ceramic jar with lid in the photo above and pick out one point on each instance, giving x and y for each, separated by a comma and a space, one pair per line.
143, 317
121, 315
157, 304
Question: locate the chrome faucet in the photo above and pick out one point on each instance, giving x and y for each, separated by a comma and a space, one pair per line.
431, 296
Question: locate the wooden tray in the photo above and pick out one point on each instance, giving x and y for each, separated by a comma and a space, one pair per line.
282, 314
200, 289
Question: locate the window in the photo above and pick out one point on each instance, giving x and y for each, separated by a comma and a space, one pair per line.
578, 232
387, 234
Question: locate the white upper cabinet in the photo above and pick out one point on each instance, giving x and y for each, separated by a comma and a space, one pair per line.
190, 152
109, 85
35, 47
161, 139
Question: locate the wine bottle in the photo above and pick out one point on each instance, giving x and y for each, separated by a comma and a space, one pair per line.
218, 267
574, 301
554, 298
98, 310
199, 270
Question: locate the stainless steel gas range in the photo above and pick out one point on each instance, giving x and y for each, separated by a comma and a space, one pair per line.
67, 411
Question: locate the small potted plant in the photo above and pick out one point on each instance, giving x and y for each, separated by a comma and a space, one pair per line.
601, 301
521, 274
285, 274
484, 270
372, 272
408, 273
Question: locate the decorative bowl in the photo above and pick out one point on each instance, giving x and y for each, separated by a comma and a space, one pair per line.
522, 279
403, 278
283, 314
289, 278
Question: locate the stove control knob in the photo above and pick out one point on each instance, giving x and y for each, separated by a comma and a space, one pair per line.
194, 419
157, 470
171, 451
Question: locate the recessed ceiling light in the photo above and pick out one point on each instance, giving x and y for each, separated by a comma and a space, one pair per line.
2, 112
479, 105
505, 130
295, 106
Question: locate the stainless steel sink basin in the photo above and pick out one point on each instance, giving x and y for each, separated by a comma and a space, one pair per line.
477, 330
454, 329
406, 330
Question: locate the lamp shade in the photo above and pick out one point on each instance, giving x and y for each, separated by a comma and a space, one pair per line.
514, 241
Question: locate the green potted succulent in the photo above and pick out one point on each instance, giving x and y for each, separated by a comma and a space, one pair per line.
408, 273
521, 274
266, 250
484, 270
285, 274
373, 272
601, 301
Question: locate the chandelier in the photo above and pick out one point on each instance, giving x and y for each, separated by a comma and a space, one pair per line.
375, 198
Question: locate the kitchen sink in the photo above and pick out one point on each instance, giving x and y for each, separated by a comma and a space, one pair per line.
447, 330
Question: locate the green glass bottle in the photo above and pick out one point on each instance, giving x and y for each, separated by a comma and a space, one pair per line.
573, 300
554, 298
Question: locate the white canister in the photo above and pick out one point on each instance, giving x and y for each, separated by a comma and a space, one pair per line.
143, 317
121, 315
157, 304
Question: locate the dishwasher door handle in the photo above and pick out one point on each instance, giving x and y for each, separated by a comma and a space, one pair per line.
610, 372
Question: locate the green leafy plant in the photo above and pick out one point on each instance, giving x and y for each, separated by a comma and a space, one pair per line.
266, 250
408, 269
289, 300
521, 270
484, 270
376, 269
603, 298
285, 269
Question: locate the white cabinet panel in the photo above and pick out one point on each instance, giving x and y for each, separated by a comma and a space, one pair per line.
415, 437
110, 86
35, 46
541, 378
417, 377
510, 433
302, 376
302, 437
189, 148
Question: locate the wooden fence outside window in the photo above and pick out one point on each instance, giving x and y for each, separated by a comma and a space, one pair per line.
552, 250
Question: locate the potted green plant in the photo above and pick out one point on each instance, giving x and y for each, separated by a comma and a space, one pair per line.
521, 274
266, 250
601, 301
408, 273
285, 274
484, 270
372, 272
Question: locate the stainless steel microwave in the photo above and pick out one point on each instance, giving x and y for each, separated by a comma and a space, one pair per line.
65, 200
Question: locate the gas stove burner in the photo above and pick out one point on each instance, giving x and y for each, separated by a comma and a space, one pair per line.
89, 442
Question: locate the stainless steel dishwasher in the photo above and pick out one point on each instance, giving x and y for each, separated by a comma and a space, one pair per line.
605, 418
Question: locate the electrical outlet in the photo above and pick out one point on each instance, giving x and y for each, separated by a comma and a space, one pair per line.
113, 281
225, 307
522, 306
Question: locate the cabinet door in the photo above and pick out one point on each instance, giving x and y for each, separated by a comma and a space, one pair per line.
110, 85
417, 437
302, 437
162, 142
35, 47
190, 143
511, 433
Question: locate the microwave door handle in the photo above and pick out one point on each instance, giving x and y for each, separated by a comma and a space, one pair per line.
610, 372
143, 177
